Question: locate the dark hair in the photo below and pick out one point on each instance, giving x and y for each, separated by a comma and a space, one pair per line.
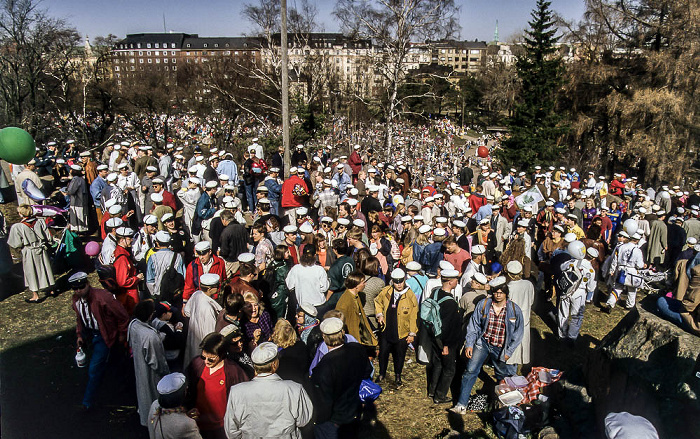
413, 209
370, 266
308, 255
361, 256
340, 245
260, 228
280, 252
450, 240
214, 343
226, 215
234, 303
144, 310
354, 279
247, 269
273, 223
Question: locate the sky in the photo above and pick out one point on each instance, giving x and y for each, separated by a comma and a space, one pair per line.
210, 18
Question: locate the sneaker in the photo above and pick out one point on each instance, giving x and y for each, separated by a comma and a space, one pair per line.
606, 308
459, 409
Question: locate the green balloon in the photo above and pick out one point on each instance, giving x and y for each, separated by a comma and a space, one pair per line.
16, 146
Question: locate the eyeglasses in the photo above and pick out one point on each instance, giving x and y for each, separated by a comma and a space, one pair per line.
325, 225
208, 359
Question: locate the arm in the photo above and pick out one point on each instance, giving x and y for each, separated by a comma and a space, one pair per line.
517, 336
304, 408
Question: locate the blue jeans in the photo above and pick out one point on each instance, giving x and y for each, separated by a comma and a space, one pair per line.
326, 430
98, 365
250, 195
670, 310
482, 351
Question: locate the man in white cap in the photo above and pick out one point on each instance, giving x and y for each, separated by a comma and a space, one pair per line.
627, 259
337, 379
203, 310
205, 262
98, 184
165, 271
145, 239
205, 209
78, 191
341, 177
476, 265
127, 275
571, 302
159, 209
28, 173
446, 344
522, 293
189, 194
101, 321
325, 198
274, 189
167, 416
295, 193
495, 330
267, 406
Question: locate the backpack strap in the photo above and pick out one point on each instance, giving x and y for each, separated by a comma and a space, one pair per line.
195, 274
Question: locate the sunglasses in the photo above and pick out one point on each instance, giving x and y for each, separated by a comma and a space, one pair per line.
209, 359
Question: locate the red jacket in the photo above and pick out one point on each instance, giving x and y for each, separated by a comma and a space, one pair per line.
355, 162
112, 319
476, 201
105, 217
195, 269
294, 192
126, 273
617, 187
233, 374
169, 200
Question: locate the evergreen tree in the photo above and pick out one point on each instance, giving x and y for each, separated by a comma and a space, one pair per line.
536, 126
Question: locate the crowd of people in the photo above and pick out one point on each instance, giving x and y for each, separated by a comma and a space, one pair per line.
255, 306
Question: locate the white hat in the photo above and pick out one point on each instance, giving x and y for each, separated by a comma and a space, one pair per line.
163, 237
497, 282
264, 353
478, 249
439, 232
150, 220
293, 170
124, 232
523, 223
636, 236
122, 165
224, 177
151, 169
202, 246
309, 309
102, 168
449, 274
112, 177
303, 211
306, 228
211, 184
413, 266
445, 265
195, 180
114, 210
167, 217
111, 202
290, 229
77, 277
209, 279
352, 202
398, 274
262, 188
692, 241
85, 154
358, 223
459, 223
343, 222
570, 237
429, 199
171, 383
246, 258
113, 223
331, 325
424, 228
527, 209
592, 252
624, 234
484, 221
418, 218
326, 219
481, 278
157, 197
441, 220
514, 267
157, 180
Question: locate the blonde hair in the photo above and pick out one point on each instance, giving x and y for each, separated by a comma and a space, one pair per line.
25, 210
284, 335
334, 340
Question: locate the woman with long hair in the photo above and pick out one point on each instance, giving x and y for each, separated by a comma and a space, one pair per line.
257, 325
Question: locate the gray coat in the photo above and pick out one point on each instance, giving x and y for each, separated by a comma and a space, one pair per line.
150, 364
268, 407
170, 424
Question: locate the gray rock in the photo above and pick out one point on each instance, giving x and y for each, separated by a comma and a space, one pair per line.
646, 366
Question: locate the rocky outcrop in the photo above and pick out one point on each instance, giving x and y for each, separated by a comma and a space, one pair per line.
647, 366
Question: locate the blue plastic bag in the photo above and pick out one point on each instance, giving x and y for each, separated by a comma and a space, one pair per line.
369, 391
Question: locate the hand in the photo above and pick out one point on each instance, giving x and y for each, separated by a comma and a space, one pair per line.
410, 339
129, 213
445, 350
139, 276
507, 357
468, 352
256, 334
380, 320
179, 326
122, 338
80, 342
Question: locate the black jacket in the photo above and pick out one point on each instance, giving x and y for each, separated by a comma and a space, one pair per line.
451, 322
336, 381
234, 240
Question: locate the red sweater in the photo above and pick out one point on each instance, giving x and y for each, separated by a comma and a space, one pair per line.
112, 319
355, 162
195, 270
169, 200
127, 281
294, 191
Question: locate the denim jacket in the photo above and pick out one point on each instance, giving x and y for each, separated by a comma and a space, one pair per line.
514, 326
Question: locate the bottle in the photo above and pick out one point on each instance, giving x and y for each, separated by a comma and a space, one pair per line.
81, 358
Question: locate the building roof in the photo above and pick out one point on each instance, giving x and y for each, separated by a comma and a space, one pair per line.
160, 38
316, 40
236, 43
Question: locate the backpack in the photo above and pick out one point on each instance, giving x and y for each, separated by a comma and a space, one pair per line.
171, 282
430, 312
107, 275
509, 422
569, 281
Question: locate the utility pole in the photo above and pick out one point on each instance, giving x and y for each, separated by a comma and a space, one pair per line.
285, 89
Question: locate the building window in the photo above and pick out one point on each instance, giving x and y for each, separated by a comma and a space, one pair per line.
148, 53
189, 45
140, 52
157, 60
165, 60
157, 53
174, 60
473, 59
116, 68
206, 45
235, 53
228, 52
133, 68
227, 45
172, 53
157, 45
148, 45
150, 61
138, 45
188, 53
140, 60
442, 50
166, 68
132, 61
174, 68
474, 52
216, 44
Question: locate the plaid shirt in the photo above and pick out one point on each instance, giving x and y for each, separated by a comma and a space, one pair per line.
495, 334
325, 198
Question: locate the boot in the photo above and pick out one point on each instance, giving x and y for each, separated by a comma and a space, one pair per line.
397, 380
379, 379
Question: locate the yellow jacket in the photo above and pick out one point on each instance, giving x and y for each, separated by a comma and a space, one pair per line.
406, 310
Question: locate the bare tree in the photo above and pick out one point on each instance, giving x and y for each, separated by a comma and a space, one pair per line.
392, 25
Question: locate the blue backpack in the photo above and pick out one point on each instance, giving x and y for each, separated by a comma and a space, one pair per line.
430, 312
